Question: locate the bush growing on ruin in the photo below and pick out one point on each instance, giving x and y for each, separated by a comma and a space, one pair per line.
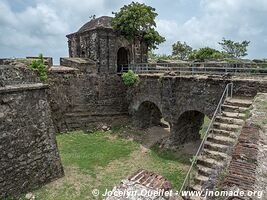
130, 78
137, 21
38, 64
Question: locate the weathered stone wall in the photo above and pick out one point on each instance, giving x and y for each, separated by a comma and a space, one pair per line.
16, 74
83, 65
176, 95
28, 151
85, 101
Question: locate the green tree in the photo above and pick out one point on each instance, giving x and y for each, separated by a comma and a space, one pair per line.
234, 49
137, 21
181, 50
206, 53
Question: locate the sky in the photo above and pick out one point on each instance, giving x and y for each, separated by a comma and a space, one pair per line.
30, 27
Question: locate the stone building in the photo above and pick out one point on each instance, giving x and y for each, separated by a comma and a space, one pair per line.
98, 41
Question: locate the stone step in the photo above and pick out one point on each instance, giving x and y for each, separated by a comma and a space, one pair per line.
234, 115
209, 162
229, 120
215, 154
238, 102
230, 108
218, 139
196, 198
216, 147
204, 171
197, 187
227, 127
223, 133
199, 179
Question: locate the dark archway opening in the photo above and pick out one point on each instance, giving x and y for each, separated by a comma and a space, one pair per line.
83, 54
149, 117
122, 60
189, 127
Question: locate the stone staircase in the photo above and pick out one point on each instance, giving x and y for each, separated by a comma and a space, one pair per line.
220, 140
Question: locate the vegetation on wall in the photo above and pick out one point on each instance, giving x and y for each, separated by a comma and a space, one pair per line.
137, 21
130, 78
38, 64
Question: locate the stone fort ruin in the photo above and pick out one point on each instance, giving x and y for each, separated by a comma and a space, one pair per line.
86, 91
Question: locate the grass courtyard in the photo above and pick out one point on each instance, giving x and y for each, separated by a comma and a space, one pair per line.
100, 160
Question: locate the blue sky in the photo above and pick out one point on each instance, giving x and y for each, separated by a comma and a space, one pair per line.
30, 27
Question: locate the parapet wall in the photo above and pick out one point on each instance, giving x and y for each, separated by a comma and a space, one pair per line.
28, 150
16, 74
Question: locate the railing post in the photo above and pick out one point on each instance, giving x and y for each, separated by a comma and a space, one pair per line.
231, 91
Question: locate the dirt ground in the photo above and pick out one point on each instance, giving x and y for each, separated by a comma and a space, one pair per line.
155, 134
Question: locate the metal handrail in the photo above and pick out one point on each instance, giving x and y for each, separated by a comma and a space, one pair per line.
199, 63
228, 92
205, 68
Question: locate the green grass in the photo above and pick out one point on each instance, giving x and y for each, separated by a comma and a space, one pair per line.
261, 104
89, 151
101, 160
167, 159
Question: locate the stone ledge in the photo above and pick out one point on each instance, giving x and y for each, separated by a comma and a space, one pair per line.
23, 87
205, 77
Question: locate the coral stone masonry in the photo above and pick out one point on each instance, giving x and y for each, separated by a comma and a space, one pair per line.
29, 156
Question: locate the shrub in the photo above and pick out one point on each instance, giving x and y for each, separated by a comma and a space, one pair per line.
38, 64
206, 53
130, 78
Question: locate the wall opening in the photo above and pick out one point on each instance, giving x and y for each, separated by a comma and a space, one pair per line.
190, 127
149, 117
83, 54
122, 59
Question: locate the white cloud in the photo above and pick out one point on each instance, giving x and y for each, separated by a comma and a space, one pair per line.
42, 25
238, 20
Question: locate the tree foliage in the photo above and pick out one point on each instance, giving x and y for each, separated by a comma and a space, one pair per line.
234, 49
157, 57
137, 21
206, 53
181, 50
